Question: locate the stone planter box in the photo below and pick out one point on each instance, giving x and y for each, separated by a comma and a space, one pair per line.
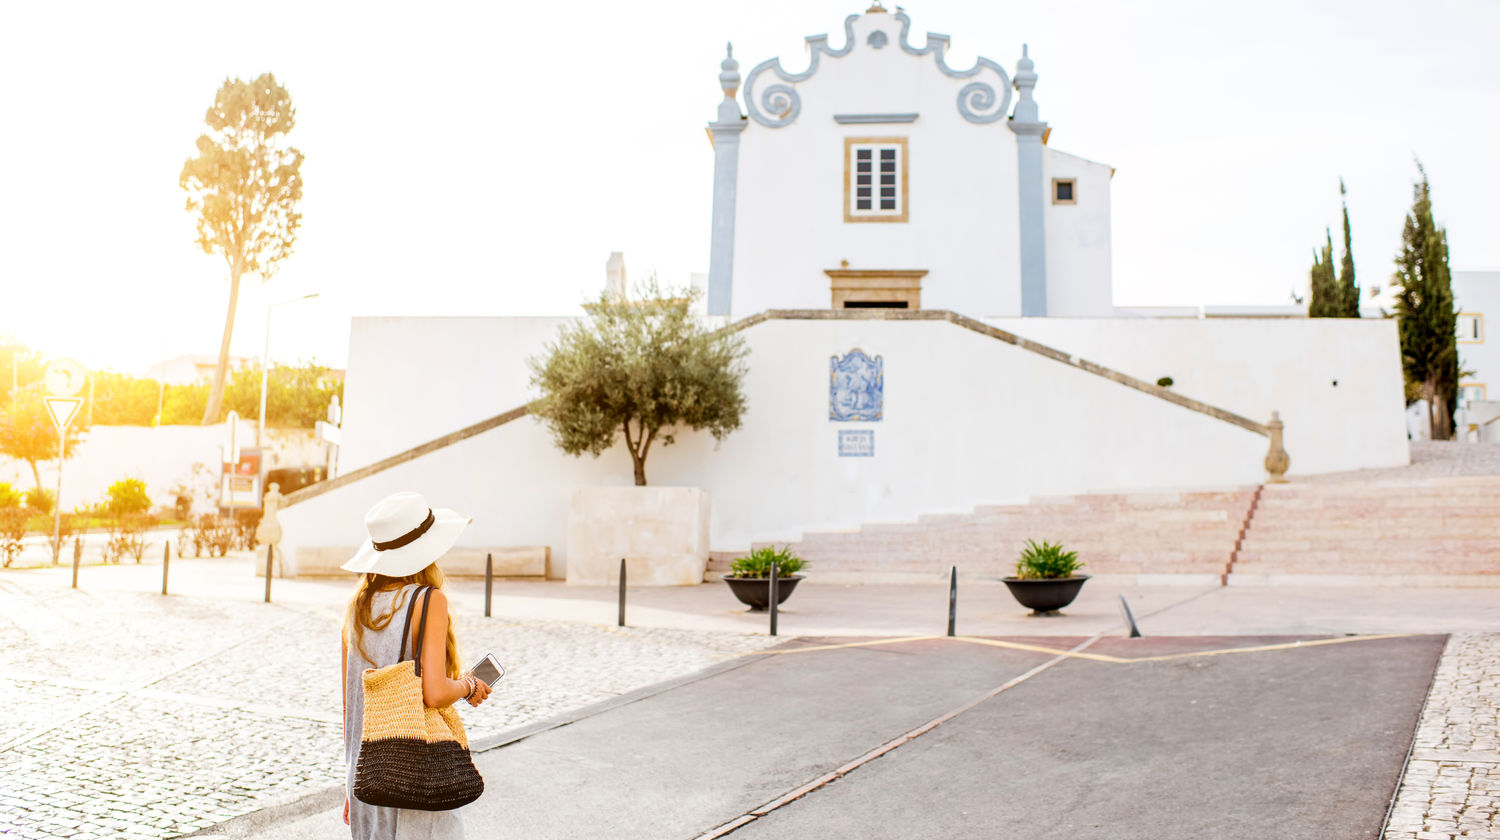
661, 532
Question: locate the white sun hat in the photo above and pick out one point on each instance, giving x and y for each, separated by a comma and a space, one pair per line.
406, 536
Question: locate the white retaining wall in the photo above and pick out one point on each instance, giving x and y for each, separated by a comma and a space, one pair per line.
968, 420
1253, 366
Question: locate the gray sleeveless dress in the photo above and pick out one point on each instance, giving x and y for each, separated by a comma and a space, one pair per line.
369, 822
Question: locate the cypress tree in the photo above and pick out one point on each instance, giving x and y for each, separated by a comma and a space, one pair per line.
1425, 318
1327, 299
1348, 289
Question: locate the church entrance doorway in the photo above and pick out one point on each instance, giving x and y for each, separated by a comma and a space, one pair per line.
855, 288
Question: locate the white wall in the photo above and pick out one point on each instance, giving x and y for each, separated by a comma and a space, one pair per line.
789, 222
1254, 366
1478, 292
414, 379
968, 420
162, 456
1079, 282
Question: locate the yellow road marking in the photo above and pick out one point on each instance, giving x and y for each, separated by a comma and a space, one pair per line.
1093, 657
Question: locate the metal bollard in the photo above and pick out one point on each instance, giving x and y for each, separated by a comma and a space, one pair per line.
489, 581
270, 555
77, 558
166, 562
622, 591
952, 600
1135, 632
774, 598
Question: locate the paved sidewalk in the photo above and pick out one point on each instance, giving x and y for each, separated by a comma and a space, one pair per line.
127, 714
1452, 784
124, 713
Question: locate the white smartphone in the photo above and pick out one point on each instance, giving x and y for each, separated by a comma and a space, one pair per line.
488, 669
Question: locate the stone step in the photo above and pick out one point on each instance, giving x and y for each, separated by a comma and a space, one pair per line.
1487, 544
1357, 567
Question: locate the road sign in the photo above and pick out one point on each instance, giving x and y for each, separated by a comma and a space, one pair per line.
64, 378
63, 410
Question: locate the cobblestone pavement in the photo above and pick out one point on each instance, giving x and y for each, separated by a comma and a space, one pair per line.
1452, 783
1429, 459
130, 715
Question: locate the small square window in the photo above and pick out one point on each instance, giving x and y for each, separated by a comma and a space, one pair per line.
1470, 328
1064, 191
875, 177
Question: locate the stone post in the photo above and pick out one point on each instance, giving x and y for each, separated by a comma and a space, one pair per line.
1277, 461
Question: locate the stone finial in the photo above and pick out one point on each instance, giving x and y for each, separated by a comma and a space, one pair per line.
1025, 82
1277, 460
615, 287
876, 8
729, 78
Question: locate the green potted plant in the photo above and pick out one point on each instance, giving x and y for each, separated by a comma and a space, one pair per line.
1046, 578
749, 577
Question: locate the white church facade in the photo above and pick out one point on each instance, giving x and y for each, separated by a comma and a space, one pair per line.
881, 177
923, 284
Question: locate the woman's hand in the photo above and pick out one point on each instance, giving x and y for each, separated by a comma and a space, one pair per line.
481, 691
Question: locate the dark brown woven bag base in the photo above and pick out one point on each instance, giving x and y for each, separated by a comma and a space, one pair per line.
408, 773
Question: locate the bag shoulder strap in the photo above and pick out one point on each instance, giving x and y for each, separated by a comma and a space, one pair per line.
406, 628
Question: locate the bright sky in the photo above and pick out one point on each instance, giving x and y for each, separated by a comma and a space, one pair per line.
485, 158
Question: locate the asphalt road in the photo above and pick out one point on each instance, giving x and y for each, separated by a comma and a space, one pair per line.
1298, 741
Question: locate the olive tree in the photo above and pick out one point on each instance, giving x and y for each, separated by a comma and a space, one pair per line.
641, 369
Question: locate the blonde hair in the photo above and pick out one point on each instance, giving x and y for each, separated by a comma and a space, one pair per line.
359, 616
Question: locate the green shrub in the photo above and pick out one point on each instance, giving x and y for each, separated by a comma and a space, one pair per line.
127, 535
1046, 561
127, 496
757, 564
9, 496
40, 501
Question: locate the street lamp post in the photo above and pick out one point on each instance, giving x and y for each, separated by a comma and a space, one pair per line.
265, 366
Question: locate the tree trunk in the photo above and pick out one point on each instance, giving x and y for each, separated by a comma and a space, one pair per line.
221, 370
36, 474
1436, 428
636, 458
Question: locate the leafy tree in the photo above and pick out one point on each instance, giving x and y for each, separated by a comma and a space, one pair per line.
1348, 288
1426, 321
1327, 301
639, 368
124, 400
28, 434
19, 366
297, 397
244, 186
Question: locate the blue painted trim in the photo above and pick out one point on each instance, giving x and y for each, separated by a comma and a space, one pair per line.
867, 119
1029, 130
782, 101
721, 243
975, 95
779, 105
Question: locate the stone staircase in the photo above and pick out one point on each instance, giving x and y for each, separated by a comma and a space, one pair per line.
1417, 532
1391, 531
1188, 535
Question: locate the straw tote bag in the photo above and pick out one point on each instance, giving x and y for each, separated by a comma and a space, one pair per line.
411, 756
